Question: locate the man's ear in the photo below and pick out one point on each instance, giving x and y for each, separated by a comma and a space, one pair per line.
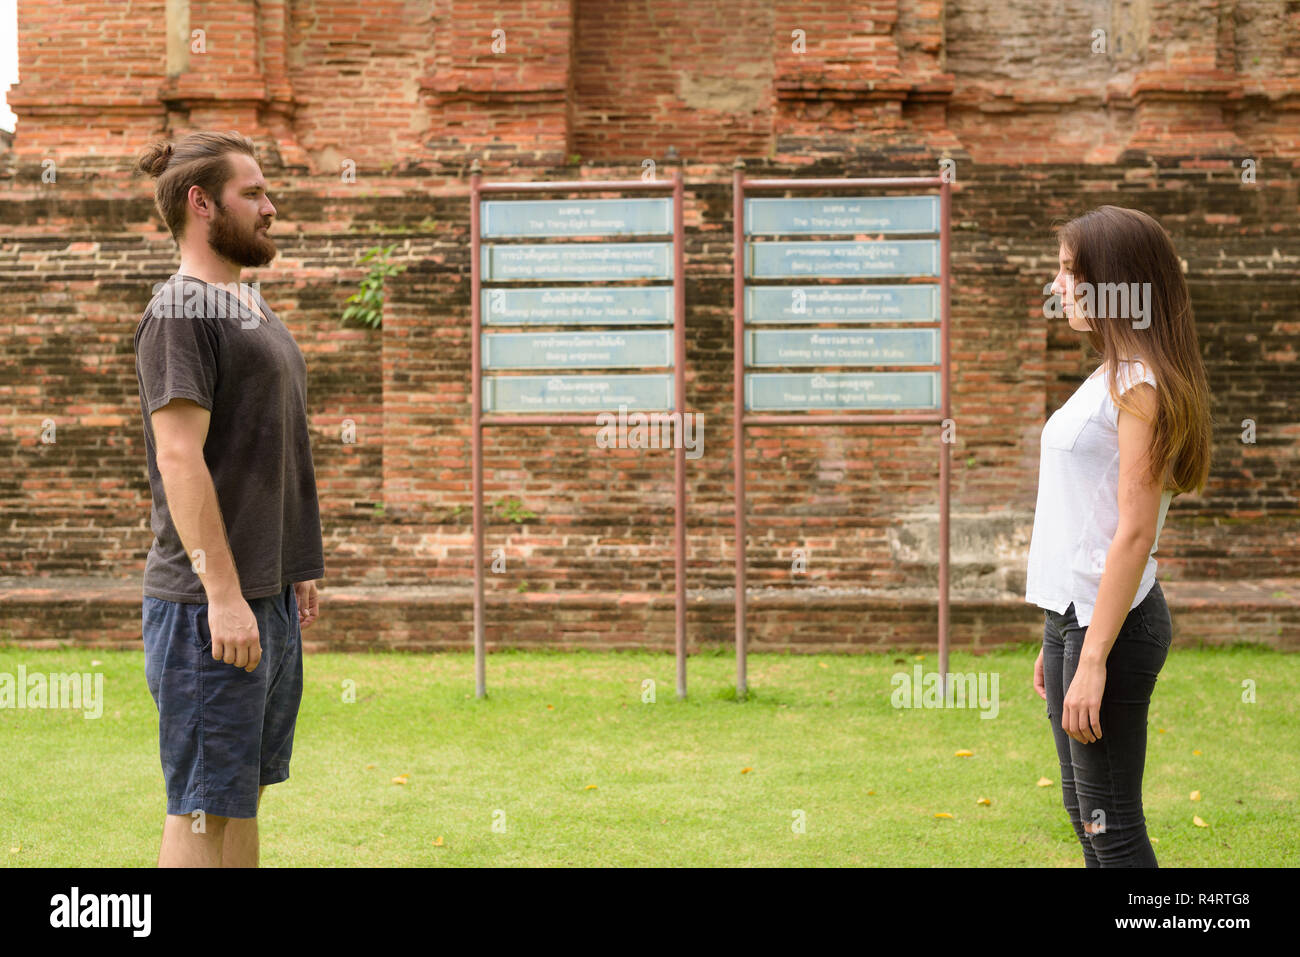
199, 199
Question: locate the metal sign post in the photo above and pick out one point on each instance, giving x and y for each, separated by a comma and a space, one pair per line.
760, 394
554, 398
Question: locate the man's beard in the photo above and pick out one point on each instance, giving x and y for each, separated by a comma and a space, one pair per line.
244, 249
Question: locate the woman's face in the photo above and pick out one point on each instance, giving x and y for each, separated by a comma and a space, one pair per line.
1063, 285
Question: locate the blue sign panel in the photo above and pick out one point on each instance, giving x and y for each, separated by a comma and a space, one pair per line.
775, 391
842, 303
576, 217
856, 214
574, 305
796, 260
577, 350
578, 393
578, 261
843, 347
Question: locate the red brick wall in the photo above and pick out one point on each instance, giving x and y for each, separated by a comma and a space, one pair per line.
412, 92
65, 107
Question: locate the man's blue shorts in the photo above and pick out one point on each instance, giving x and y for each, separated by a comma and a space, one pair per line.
222, 732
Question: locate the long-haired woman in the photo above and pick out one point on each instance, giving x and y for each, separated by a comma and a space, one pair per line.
1136, 433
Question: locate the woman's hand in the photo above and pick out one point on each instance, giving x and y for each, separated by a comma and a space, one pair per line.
1039, 684
1081, 713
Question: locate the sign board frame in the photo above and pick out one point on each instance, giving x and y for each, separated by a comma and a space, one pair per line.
479, 304
745, 295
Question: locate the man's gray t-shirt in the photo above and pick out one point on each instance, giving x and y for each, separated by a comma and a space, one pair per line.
198, 341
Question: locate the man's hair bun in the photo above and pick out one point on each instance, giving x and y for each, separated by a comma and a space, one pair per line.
155, 158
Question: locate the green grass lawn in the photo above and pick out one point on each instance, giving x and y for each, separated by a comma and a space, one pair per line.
564, 764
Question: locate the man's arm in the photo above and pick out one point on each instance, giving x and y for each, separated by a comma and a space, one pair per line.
180, 429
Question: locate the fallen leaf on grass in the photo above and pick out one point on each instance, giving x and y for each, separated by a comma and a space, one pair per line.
1196, 751
1198, 822
963, 753
590, 787
1045, 783
745, 770
437, 841
985, 801
1195, 795
943, 814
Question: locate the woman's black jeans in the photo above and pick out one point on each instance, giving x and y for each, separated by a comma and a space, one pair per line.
1102, 781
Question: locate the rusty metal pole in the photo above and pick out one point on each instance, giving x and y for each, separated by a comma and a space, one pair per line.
476, 427
738, 421
945, 447
679, 404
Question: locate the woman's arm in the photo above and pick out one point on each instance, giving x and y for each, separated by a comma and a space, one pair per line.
1139, 512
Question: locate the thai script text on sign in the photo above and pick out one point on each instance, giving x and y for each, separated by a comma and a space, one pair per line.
578, 261
567, 217
776, 391
574, 305
795, 260
838, 215
582, 393
842, 303
845, 347
565, 350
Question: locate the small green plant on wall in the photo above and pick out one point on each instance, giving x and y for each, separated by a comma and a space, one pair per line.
514, 510
366, 305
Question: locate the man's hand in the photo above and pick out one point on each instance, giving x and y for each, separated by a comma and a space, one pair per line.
305, 592
235, 638
1039, 684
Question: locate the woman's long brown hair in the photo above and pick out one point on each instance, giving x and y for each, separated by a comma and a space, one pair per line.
1111, 244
